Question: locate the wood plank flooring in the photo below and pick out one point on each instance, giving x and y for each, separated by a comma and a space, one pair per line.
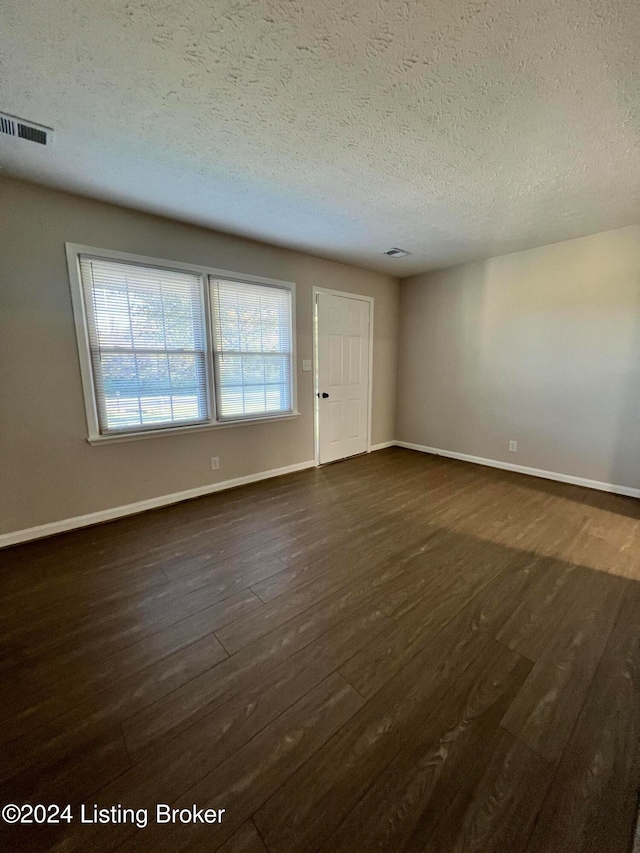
396, 653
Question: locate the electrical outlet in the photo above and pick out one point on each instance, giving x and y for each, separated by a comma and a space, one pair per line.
215, 463
513, 446
306, 364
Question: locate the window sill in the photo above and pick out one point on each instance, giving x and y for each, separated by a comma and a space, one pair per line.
156, 433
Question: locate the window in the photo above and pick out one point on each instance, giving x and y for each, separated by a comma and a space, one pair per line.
252, 348
169, 346
147, 341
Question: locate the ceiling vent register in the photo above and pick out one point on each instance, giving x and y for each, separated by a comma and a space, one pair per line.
396, 253
27, 130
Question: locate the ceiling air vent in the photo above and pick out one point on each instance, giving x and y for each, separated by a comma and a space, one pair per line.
396, 253
27, 130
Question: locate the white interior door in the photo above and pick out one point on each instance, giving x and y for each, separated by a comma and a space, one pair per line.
342, 375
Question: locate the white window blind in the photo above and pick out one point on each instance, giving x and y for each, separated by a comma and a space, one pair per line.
253, 343
147, 337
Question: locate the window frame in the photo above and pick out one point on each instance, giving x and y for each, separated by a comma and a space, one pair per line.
213, 317
94, 436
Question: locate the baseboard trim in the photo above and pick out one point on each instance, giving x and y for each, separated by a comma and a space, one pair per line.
627, 491
382, 445
66, 524
42, 530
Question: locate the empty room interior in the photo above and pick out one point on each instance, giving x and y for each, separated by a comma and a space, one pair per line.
320, 426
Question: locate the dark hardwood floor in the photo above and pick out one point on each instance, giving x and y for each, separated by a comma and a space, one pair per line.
394, 653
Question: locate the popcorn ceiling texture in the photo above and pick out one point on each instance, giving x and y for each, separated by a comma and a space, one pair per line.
451, 128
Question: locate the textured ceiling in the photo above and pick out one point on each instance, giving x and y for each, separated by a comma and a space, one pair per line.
451, 128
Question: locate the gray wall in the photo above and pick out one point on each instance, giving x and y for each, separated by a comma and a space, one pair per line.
48, 471
541, 346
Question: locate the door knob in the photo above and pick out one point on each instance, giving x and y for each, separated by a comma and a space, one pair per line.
325, 395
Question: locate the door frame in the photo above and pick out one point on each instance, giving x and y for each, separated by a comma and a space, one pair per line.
314, 360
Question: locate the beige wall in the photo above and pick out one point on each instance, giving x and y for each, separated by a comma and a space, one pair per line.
48, 470
541, 346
